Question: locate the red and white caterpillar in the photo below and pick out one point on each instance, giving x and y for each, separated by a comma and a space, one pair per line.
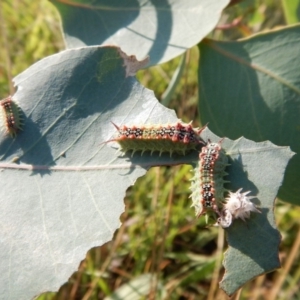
177, 138
208, 188
11, 115
208, 183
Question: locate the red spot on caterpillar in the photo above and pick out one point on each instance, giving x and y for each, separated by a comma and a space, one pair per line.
172, 138
11, 116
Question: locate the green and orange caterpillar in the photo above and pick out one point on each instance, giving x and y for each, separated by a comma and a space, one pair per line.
177, 138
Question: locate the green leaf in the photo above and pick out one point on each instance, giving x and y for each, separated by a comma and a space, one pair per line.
251, 88
63, 187
291, 9
253, 246
65, 193
160, 29
169, 92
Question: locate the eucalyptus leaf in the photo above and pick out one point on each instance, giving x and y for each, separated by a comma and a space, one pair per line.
251, 88
63, 188
161, 29
254, 244
64, 183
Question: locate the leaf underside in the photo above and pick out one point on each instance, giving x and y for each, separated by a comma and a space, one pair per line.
252, 246
64, 186
257, 94
142, 28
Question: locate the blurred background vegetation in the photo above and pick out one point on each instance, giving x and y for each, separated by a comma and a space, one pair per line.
160, 235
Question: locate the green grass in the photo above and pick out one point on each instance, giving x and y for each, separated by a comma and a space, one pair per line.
160, 234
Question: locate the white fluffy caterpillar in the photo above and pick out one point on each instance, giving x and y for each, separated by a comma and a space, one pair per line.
238, 205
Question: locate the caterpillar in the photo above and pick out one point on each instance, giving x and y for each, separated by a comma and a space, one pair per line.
12, 117
208, 189
177, 138
238, 205
207, 183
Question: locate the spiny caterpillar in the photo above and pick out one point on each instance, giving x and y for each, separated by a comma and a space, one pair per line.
173, 138
207, 183
11, 116
238, 205
208, 191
